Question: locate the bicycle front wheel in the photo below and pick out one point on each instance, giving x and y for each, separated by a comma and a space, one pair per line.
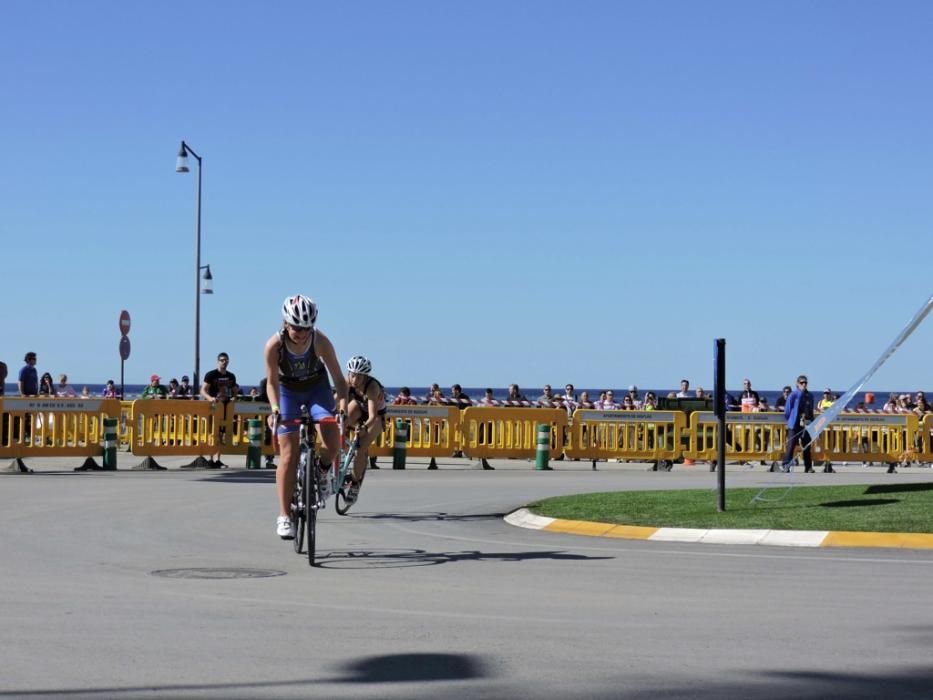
340, 502
311, 499
298, 504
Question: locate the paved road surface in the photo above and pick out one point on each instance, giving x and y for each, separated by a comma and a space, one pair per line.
424, 592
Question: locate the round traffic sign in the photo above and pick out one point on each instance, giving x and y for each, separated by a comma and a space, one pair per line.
124, 348
124, 322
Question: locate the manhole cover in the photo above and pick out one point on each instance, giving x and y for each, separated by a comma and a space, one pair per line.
217, 573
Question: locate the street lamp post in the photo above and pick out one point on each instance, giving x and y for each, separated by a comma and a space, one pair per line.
181, 166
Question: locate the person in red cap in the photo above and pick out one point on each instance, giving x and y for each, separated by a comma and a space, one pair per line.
155, 390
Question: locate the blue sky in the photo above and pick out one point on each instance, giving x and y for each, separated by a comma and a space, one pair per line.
476, 192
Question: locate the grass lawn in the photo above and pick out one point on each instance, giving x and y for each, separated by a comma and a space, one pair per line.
868, 508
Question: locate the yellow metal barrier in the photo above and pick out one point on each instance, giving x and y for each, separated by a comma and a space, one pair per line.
125, 425
490, 432
433, 431
638, 435
749, 436
52, 427
925, 453
872, 437
175, 427
239, 413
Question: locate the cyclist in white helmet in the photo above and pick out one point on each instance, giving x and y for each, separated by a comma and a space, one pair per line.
298, 360
366, 411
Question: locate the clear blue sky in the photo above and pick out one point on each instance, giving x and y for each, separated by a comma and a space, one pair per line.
475, 192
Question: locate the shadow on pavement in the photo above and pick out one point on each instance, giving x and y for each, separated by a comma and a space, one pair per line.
404, 558
430, 516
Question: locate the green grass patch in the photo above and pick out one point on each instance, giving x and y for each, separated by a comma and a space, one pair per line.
864, 508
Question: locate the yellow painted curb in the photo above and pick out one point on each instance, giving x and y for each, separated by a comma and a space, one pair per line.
581, 527
911, 540
632, 532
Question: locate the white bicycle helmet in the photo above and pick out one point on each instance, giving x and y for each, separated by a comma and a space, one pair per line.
299, 311
359, 365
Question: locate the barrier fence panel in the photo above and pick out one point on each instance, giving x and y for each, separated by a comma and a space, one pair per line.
54, 427
873, 437
236, 427
175, 427
125, 428
749, 436
636, 435
494, 432
925, 453
433, 431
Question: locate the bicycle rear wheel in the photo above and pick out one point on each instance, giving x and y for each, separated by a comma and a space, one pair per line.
311, 499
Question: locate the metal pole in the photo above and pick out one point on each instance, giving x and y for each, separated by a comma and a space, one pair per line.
197, 297
719, 380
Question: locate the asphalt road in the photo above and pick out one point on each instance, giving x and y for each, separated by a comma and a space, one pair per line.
424, 592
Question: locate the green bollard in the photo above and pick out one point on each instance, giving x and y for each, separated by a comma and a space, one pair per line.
544, 446
110, 444
254, 451
401, 444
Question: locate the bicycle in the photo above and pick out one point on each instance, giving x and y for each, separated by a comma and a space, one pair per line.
313, 485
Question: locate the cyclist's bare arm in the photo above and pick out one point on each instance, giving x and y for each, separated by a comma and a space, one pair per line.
325, 350
272, 371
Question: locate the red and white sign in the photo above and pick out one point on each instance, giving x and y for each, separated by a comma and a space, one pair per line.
124, 322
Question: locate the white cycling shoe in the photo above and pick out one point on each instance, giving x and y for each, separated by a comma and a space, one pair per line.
284, 527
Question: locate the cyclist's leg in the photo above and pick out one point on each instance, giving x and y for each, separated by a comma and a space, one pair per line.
361, 460
322, 406
290, 405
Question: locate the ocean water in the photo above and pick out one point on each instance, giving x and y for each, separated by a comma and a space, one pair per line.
501, 393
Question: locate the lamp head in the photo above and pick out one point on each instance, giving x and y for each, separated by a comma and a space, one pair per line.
208, 286
181, 165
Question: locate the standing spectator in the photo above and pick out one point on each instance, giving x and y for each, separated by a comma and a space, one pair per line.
628, 403
488, 399
404, 398
763, 404
515, 394
890, 405
46, 385
28, 385
86, 392
154, 390
173, 388
28, 376
633, 393
781, 400
749, 397
219, 385
432, 392
827, 399
64, 389
609, 403
798, 412
437, 396
110, 390
684, 392
185, 389
700, 393
585, 400
462, 400
547, 396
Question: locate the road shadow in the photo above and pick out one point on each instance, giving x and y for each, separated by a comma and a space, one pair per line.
241, 476
857, 503
415, 668
435, 516
406, 558
898, 488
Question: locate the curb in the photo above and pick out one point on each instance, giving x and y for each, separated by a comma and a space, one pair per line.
778, 538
